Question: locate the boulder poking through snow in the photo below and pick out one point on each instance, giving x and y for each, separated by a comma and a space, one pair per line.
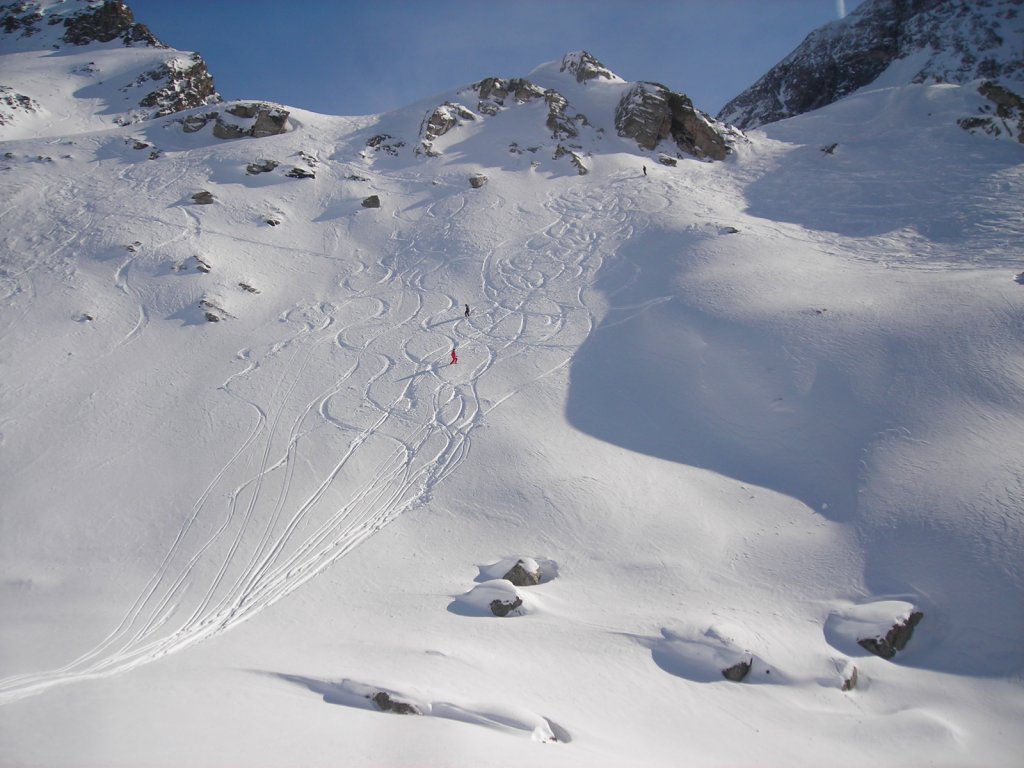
385, 703
525, 573
477, 180
738, 671
496, 597
882, 627
894, 640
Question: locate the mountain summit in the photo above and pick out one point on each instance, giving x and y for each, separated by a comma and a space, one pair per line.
891, 42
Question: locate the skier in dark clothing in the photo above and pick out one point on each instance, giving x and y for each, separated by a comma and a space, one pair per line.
645, 170
467, 310
455, 358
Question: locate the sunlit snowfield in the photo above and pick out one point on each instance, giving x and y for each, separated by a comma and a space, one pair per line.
742, 411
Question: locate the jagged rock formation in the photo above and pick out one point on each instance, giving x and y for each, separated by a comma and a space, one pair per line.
253, 120
585, 67
574, 157
93, 23
650, 112
495, 91
954, 41
173, 81
895, 639
1004, 113
439, 122
12, 102
647, 112
187, 84
113, 19
385, 142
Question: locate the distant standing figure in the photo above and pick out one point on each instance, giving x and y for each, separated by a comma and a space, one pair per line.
467, 310
455, 358
645, 170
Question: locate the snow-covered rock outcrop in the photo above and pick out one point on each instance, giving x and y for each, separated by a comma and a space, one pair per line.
101, 88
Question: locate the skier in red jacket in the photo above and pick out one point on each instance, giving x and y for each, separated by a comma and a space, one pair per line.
455, 358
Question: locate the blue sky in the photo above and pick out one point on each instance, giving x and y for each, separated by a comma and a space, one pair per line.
368, 56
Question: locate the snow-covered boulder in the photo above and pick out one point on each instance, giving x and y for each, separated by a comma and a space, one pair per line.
525, 573
496, 597
882, 627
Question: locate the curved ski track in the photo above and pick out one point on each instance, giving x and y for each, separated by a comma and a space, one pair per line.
245, 545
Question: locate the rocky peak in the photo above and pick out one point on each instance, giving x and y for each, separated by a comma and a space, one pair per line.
81, 21
585, 67
110, 20
950, 41
650, 113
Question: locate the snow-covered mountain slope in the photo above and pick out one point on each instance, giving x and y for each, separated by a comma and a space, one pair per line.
76, 66
740, 412
897, 42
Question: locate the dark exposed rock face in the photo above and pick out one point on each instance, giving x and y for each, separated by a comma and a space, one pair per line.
185, 87
494, 92
958, 40
111, 20
895, 639
522, 576
385, 703
1003, 113
650, 113
384, 142
261, 166
439, 122
17, 18
477, 180
574, 157
203, 198
502, 608
373, 201
182, 82
737, 672
267, 120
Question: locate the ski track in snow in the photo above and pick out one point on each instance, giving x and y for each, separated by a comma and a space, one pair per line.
244, 546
